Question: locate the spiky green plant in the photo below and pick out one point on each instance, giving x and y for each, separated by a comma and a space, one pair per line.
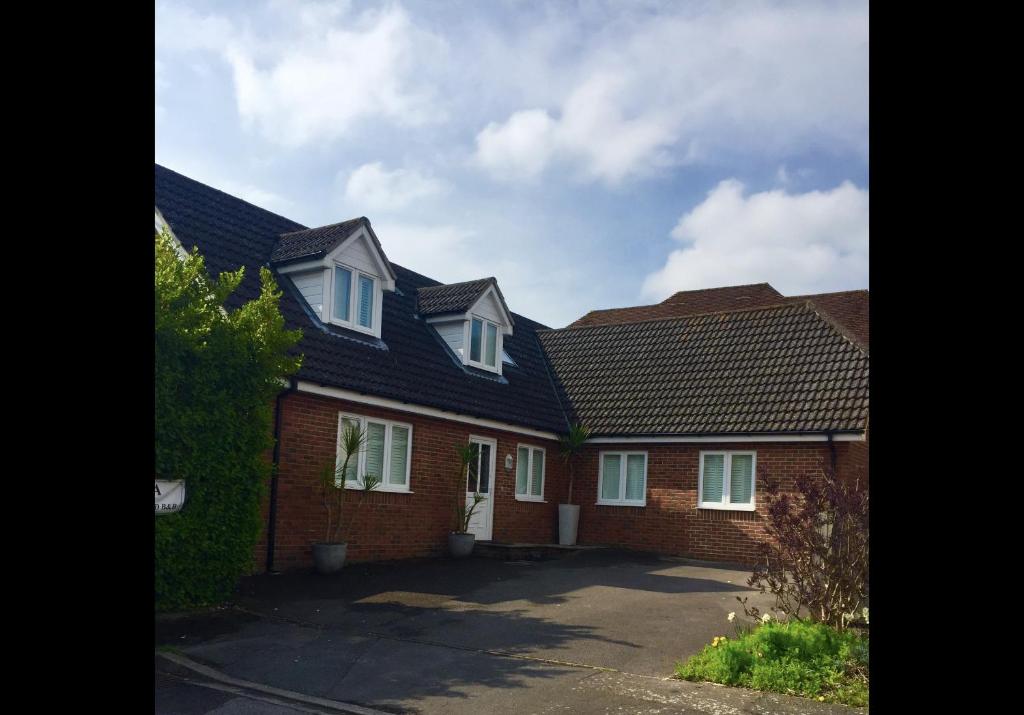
466, 454
570, 445
332, 479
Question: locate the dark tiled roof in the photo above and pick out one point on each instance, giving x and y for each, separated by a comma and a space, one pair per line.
451, 297
773, 369
314, 242
457, 297
415, 367
687, 302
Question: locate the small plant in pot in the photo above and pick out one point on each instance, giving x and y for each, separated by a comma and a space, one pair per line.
329, 555
570, 445
460, 541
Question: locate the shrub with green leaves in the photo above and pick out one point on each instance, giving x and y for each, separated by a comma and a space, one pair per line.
796, 657
217, 374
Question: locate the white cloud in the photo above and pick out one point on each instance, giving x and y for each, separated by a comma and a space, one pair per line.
372, 187
314, 69
327, 78
800, 243
651, 90
255, 195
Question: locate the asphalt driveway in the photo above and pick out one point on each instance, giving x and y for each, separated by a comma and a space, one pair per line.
596, 631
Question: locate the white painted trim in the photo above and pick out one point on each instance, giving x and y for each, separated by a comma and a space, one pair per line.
352, 396
387, 276
506, 328
498, 345
725, 504
493, 444
389, 425
859, 437
529, 472
622, 478
376, 308
160, 224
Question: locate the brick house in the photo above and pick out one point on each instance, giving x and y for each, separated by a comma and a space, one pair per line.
687, 399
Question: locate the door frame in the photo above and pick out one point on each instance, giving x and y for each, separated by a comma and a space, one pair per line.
493, 444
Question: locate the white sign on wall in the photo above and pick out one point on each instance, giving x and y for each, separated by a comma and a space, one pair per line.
170, 496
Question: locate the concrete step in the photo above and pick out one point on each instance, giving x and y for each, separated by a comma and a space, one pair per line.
526, 552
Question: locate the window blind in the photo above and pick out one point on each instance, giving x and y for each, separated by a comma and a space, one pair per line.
610, 479
635, 477
713, 478
365, 301
522, 468
741, 475
536, 486
375, 449
399, 454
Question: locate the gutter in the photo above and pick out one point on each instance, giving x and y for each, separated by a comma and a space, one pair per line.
272, 516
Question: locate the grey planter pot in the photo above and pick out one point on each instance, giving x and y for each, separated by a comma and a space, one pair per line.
568, 523
460, 545
329, 558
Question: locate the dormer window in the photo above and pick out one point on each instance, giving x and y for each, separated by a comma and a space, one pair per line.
355, 295
483, 343
472, 319
341, 272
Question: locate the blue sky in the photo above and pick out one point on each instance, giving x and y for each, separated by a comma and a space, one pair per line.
589, 155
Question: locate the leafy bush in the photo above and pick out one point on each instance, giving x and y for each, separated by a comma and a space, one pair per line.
815, 560
217, 373
796, 657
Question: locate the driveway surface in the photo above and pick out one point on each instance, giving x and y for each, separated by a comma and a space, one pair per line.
596, 631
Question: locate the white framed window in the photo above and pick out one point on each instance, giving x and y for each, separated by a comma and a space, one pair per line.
727, 480
530, 473
484, 344
355, 299
386, 453
622, 478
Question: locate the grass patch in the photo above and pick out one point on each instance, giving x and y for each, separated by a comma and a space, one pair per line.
796, 658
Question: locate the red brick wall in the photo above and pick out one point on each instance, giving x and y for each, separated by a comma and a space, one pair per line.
670, 523
395, 525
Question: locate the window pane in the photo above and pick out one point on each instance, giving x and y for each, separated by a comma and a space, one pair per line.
492, 345
635, 479
375, 449
740, 478
714, 472
522, 467
537, 485
472, 475
366, 302
352, 473
399, 454
474, 340
342, 292
610, 476
485, 468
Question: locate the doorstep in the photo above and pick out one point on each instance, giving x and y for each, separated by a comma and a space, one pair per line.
527, 552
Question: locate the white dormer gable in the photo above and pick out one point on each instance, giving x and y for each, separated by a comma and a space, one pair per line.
344, 284
473, 326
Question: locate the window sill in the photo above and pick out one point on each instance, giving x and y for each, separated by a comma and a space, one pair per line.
356, 327
392, 490
538, 500
622, 503
727, 507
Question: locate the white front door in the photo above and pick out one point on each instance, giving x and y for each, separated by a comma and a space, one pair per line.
480, 479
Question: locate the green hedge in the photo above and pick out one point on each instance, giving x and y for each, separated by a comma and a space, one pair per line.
217, 374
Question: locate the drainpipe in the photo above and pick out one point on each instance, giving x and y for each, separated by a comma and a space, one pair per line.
272, 516
832, 449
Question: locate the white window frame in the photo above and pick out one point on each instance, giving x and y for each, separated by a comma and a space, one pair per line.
384, 486
498, 344
621, 501
725, 504
529, 471
353, 300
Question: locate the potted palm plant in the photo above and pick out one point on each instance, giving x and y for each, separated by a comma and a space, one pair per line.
329, 555
570, 445
460, 541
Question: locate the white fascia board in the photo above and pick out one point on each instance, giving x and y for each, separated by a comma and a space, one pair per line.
298, 267
506, 327
161, 224
846, 437
352, 396
387, 274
